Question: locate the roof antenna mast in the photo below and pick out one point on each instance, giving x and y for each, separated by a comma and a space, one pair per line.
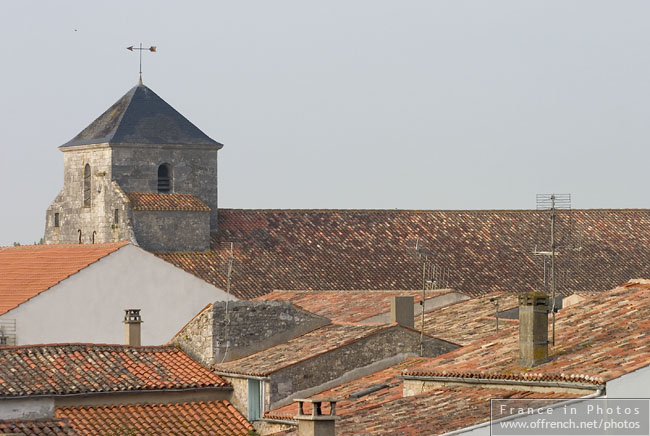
428, 282
141, 49
552, 203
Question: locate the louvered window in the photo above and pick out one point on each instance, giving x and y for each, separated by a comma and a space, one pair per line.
164, 178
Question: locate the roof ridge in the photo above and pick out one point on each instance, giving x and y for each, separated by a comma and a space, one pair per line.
498, 376
55, 246
149, 404
339, 210
92, 345
131, 91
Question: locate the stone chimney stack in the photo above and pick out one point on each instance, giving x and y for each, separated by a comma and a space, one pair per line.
132, 321
316, 424
533, 329
401, 311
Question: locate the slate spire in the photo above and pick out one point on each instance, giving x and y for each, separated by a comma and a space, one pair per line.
141, 117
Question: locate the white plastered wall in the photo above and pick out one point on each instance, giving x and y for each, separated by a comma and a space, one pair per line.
635, 384
89, 305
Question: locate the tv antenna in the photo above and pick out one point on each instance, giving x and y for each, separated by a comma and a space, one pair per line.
141, 49
554, 204
427, 257
433, 277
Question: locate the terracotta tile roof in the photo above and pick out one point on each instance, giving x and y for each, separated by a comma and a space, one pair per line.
195, 418
311, 344
470, 320
63, 369
438, 411
600, 339
26, 271
485, 251
346, 306
170, 202
386, 411
37, 427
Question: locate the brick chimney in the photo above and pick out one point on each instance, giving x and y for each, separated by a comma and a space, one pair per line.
316, 424
401, 311
132, 321
533, 329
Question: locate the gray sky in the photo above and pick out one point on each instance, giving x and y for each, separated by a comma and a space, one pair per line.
344, 104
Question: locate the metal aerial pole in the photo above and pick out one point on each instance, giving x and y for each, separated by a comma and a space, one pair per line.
424, 287
553, 281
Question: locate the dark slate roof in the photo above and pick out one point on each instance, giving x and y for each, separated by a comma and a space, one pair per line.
484, 250
141, 117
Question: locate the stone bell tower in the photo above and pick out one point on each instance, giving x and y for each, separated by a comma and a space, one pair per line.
140, 172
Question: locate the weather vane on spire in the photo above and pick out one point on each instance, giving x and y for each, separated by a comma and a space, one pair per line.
140, 49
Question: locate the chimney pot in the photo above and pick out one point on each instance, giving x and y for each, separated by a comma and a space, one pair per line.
316, 423
132, 321
533, 329
402, 311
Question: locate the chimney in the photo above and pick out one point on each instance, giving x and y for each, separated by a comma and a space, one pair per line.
316, 424
401, 311
132, 321
533, 329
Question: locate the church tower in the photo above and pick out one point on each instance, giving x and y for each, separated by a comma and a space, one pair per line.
140, 172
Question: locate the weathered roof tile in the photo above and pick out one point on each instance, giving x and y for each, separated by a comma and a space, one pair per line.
600, 339
47, 369
166, 202
37, 427
189, 418
484, 251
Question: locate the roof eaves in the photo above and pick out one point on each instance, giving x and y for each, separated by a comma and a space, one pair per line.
123, 391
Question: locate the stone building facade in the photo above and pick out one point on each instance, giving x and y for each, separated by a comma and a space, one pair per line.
140, 172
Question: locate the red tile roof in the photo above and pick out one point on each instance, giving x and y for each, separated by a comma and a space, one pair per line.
467, 321
485, 251
26, 271
170, 202
298, 349
37, 427
346, 306
64, 369
386, 411
195, 418
600, 339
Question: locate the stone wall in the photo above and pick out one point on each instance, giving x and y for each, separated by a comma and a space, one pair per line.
193, 170
243, 328
196, 337
95, 223
119, 168
172, 230
334, 364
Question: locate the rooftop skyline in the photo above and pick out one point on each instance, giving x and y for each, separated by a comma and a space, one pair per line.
370, 104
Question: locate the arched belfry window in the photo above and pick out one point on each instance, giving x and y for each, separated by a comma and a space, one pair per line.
87, 185
164, 178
